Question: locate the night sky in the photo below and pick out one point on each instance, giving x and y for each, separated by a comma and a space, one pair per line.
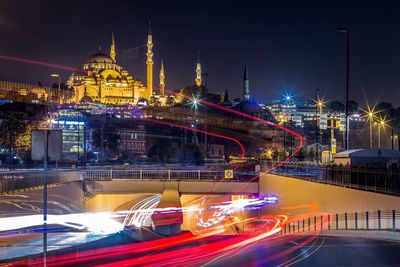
288, 45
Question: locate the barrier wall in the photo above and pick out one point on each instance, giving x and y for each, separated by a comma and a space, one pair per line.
298, 196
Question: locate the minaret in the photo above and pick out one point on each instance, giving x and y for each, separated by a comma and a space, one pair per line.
162, 77
226, 96
246, 89
113, 55
149, 63
198, 72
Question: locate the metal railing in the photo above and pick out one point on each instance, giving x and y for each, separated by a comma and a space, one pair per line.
166, 175
385, 181
12, 181
377, 220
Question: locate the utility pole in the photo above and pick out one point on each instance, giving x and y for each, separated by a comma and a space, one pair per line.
205, 75
79, 145
316, 126
10, 133
45, 158
347, 31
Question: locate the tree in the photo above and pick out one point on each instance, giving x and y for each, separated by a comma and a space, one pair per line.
23, 138
163, 151
353, 106
110, 139
386, 111
190, 153
336, 106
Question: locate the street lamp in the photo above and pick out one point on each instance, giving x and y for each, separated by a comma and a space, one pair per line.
320, 104
316, 125
381, 124
347, 31
371, 121
56, 75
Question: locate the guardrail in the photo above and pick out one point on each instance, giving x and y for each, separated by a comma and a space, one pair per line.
385, 181
166, 175
376, 220
12, 181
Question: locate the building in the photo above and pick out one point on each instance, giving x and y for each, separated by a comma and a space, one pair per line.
367, 157
100, 79
27, 93
249, 105
132, 141
76, 135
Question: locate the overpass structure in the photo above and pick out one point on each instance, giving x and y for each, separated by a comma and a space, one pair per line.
156, 181
171, 184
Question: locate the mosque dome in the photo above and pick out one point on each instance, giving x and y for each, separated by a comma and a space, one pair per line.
99, 57
249, 107
252, 108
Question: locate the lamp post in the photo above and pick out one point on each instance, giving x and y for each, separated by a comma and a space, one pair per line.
316, 125
347, 31
320, 105
56, 75
371, 121
380, 125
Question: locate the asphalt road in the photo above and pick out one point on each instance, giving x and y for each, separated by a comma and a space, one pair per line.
323, 251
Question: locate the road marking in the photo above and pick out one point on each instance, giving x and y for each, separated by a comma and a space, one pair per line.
291, 262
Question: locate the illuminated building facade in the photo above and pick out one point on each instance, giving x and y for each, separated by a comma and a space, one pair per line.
27, 93
133, 141
76, 136
102, 80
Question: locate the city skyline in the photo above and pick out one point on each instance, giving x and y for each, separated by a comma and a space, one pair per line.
290, 53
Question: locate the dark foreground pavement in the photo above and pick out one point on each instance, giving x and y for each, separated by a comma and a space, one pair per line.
322, 251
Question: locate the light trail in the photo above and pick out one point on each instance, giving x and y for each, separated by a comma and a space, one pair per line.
40, 63
203, 132
79, 221
140, 213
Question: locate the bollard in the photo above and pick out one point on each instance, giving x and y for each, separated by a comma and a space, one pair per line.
379, 220
315, 223
309, 223
394, 219
345, 221
294, 227
322, 222
329, 222
337, 221
355, 221
289, 227
367, 220
303, 224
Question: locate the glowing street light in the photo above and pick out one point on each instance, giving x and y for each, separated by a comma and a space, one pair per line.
288, 98
382, 123
371, 116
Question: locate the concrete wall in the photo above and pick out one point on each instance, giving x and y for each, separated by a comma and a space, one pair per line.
298, 196
184, 187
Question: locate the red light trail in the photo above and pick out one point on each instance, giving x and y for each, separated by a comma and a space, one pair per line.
41, 63
203, 132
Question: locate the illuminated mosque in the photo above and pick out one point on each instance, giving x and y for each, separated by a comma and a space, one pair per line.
102, 80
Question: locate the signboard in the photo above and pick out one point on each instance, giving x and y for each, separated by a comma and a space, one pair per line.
54, 146
228, 174
342, 124
333, 146
323, 122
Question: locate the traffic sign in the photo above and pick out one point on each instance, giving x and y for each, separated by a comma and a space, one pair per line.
228, 174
